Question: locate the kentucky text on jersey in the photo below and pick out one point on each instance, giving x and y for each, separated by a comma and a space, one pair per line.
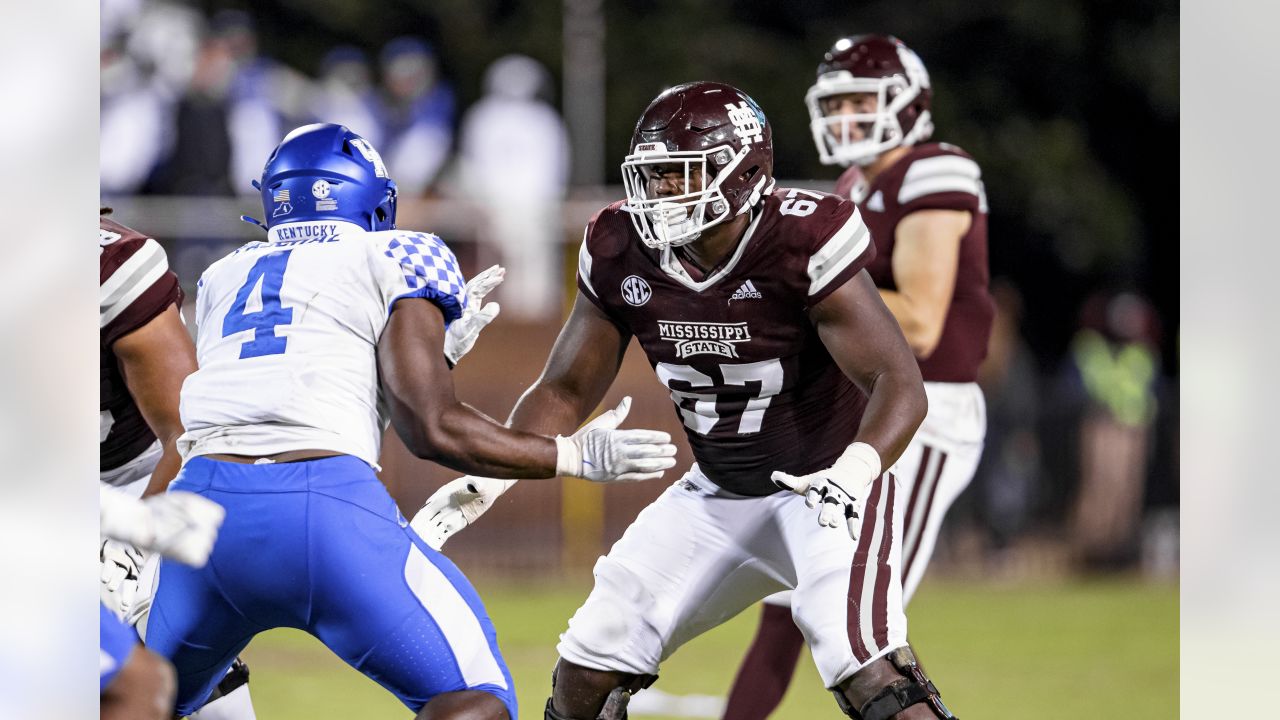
308, 232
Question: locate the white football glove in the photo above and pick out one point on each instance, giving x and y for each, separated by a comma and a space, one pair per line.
121, 566
176, 524
462, 333
600, 453
842, 488
460, 502
455, 506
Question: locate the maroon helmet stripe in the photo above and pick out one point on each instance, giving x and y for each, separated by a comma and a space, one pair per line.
908, 536
928, 505
858, 575
880, 602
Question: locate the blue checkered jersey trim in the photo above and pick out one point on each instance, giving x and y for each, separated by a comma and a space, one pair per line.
430, 271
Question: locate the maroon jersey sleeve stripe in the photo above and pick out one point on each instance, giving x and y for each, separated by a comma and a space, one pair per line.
154, 300
844, 254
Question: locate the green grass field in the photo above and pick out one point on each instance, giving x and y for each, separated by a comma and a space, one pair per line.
1045, 651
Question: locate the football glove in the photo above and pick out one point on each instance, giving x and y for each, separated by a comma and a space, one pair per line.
176, 524
121, 566
462, 333
842, 489
600, 453
455, 506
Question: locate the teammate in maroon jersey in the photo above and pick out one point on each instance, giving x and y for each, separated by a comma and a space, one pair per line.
145, 354
927, 212
788, 372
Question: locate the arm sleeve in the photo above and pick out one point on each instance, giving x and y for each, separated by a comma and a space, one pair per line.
842, 250
418, 265
135, 285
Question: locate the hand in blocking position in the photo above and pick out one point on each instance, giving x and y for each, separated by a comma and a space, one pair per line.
842, 488
462, 333
598, 452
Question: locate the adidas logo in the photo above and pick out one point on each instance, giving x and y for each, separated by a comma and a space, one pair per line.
747, 290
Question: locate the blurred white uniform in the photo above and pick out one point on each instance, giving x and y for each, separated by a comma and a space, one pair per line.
514, 159
288, 332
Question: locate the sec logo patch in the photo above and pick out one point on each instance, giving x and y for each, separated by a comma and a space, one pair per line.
636, 291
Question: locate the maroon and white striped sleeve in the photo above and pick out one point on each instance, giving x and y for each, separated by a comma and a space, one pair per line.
135, 283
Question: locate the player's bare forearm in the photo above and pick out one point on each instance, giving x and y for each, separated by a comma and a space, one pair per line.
434, 425
865, 341
468, 441
165, 471
583, 363
155, 359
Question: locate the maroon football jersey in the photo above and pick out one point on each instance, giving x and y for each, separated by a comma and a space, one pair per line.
935, 176
134, 286
754, 386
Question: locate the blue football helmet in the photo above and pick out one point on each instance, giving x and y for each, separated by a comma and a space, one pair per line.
326, 172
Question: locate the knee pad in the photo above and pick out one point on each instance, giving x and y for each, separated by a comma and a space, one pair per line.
914, 688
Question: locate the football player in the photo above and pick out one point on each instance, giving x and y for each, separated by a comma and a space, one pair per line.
146, 353
308, 341
797, 393
927, 211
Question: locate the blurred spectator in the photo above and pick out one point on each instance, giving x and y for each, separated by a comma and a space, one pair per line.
420, 113
198, 161
1008, 476
254, 102
1111, 383
345, 94
147, 58
514, 160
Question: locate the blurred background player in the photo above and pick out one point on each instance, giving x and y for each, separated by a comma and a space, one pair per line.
420, 109
136, 683
146, 354
752, 307
308, 342
925, 206
514, 158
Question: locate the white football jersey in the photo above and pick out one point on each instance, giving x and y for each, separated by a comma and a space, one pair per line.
287, 334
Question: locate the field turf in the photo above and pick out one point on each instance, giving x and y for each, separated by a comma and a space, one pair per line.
1078, 649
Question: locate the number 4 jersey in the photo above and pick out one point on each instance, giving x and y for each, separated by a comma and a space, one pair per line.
287, 334
752, 382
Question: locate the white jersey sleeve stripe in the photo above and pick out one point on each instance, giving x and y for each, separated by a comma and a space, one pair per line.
584, 265
138, 262
948, 173
843, 248
133, 283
